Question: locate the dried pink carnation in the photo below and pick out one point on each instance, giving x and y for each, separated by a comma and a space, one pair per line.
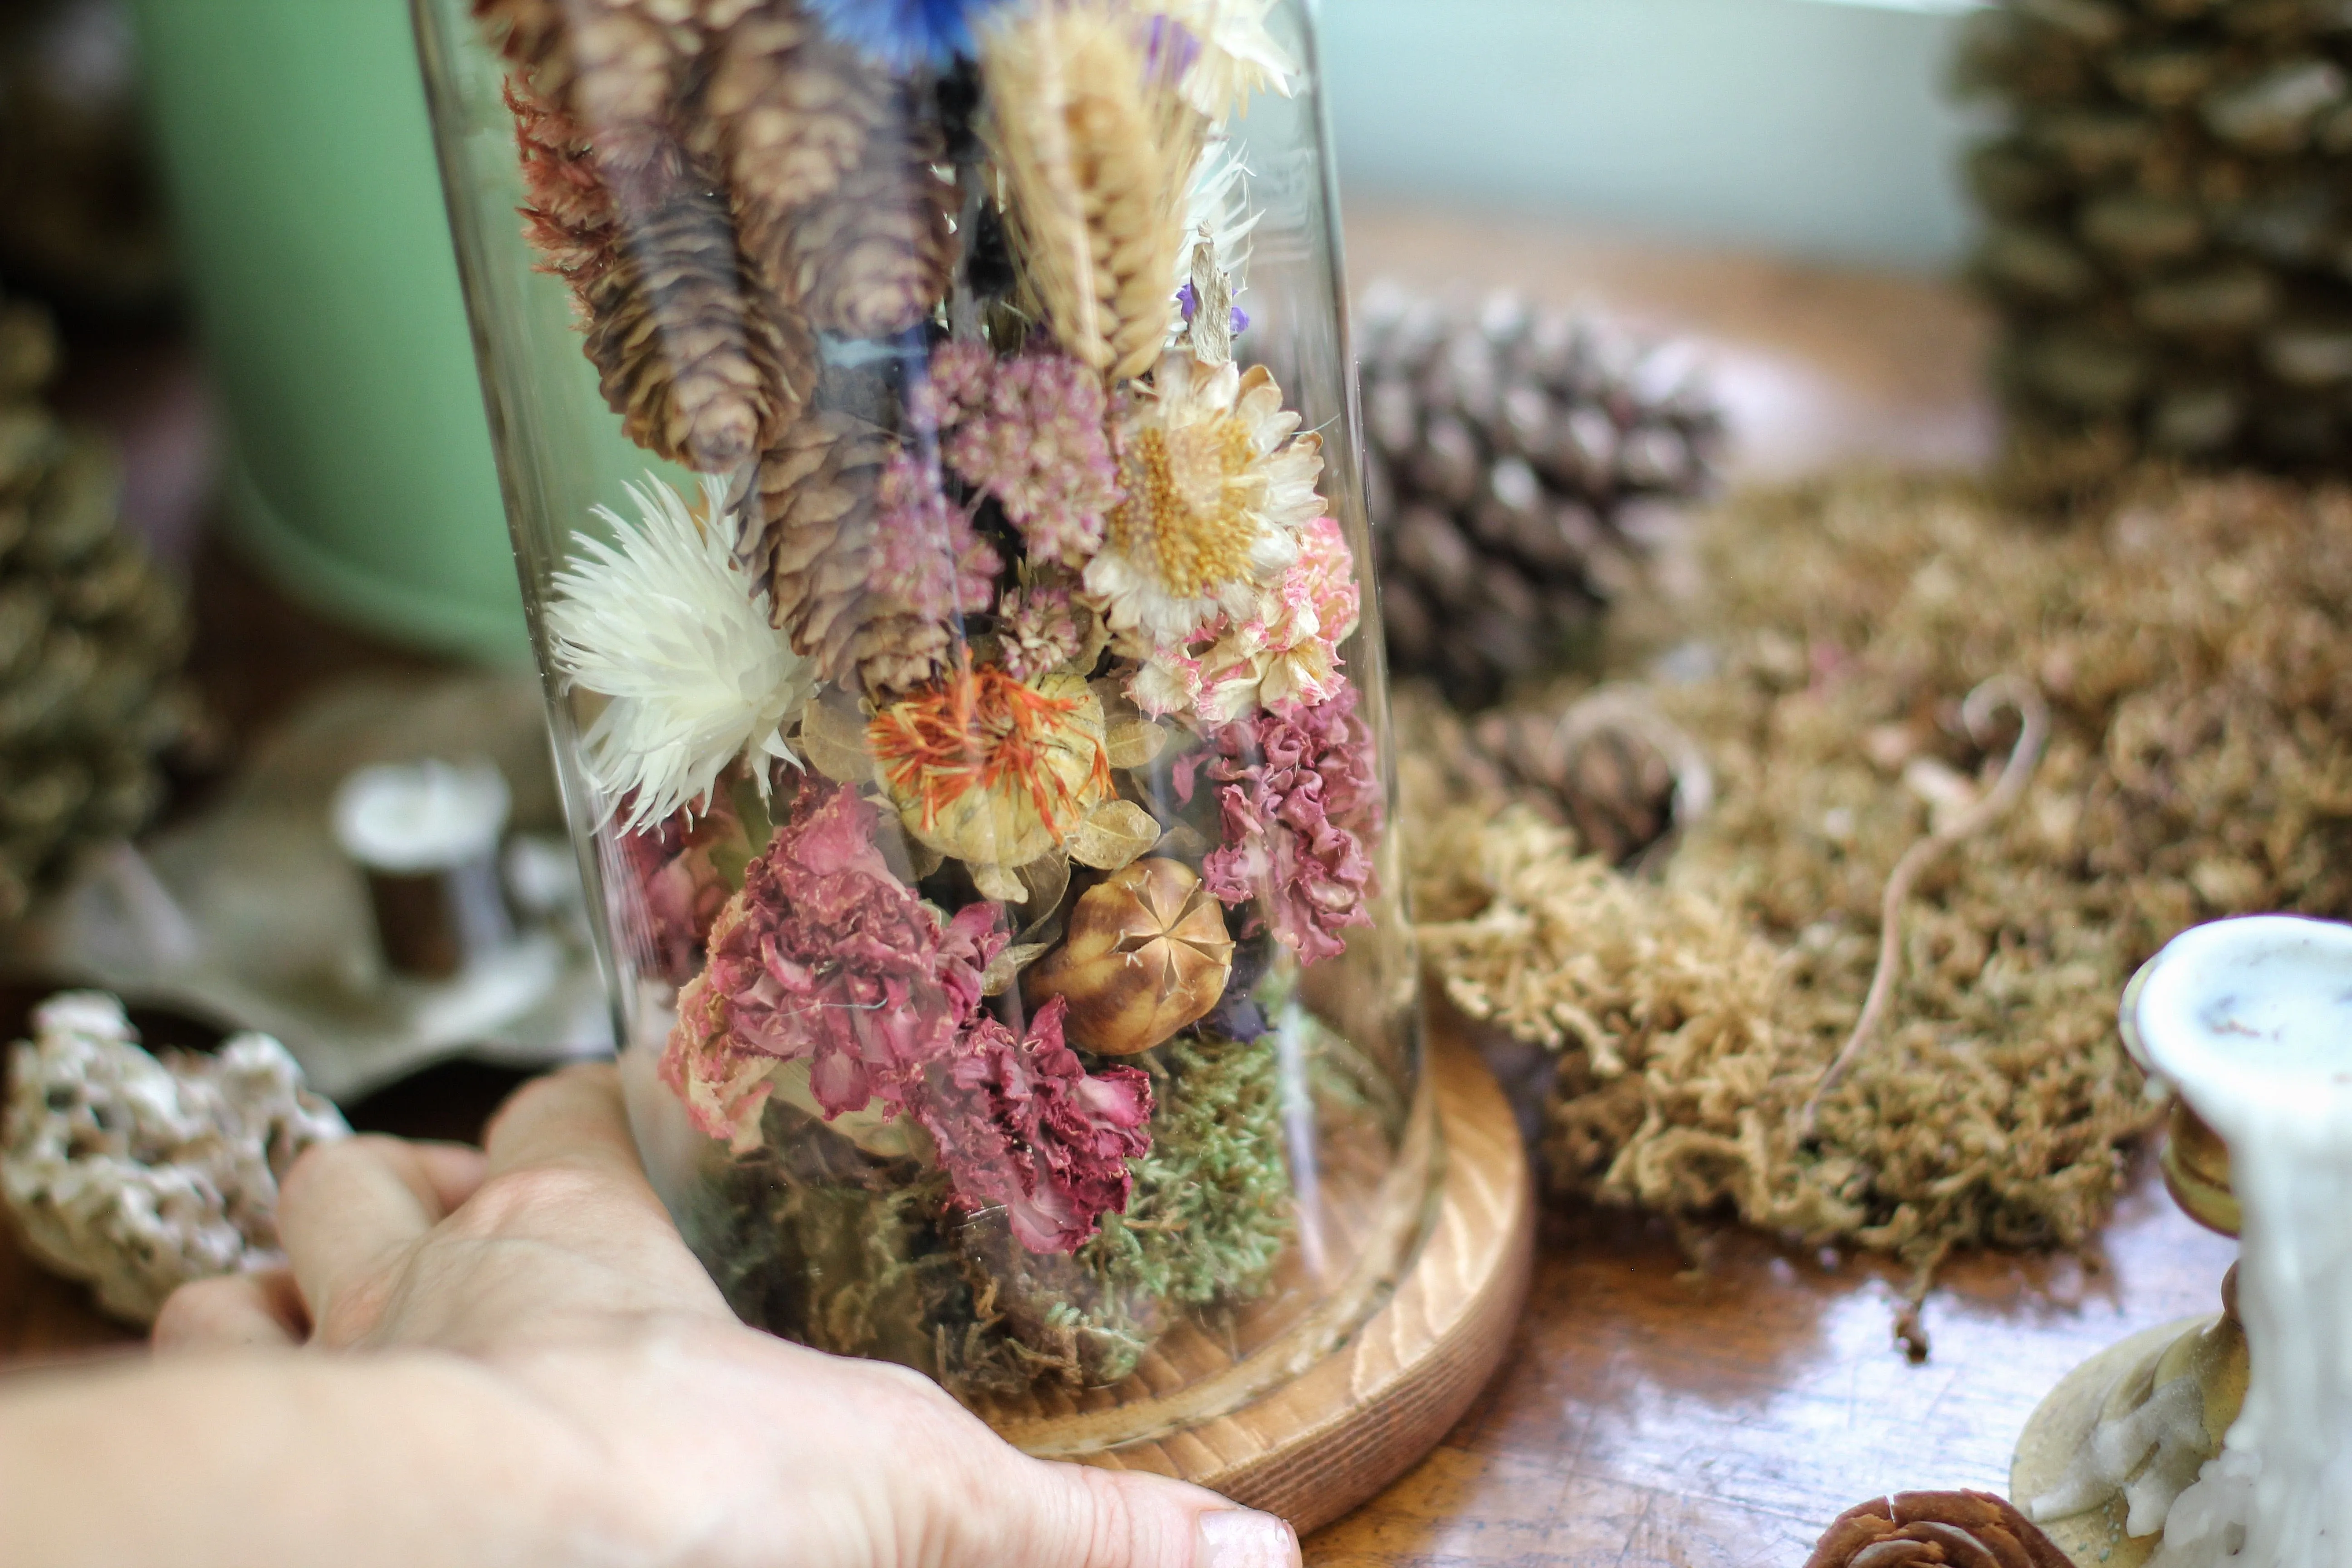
669, 888
1029, 431
825, 956
1022, 1126
1301, 797
1041, 631
927, 555
1286, 649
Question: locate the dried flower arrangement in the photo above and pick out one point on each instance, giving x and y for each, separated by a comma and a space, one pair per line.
979, 764
2190, 646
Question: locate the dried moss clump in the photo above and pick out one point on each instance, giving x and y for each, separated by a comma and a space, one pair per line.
2193, 647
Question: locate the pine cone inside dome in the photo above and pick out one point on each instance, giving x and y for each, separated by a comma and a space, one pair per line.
873, 259
2167, 229
787, 114
616, 67
1510, 450
91, 637
1932, 1529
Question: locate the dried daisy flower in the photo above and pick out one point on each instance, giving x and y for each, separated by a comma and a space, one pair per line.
1231, 54
1030, 432
991, 769
1286, 650
1096, 145
825, 957
1301, 801
1039, 627
1219, 489
1022, 1126
665, 624
934, 567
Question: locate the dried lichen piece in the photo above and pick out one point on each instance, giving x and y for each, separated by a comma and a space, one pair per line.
139, 1175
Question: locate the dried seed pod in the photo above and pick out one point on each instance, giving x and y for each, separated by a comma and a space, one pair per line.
1148, 955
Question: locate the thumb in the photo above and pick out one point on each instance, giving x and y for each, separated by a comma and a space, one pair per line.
1074, 1515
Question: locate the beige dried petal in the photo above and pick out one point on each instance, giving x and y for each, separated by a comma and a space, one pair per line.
1006, 967
1114, 837
833, 742
999, 883
1135, 744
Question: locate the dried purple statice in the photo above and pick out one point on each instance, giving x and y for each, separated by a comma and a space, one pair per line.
1022, 1126
927, 554
1030, 431
1301, 797
1039, 629
827, 957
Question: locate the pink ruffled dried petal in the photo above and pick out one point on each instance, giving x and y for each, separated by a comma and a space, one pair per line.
1022, 1126
1301, 799
670, 890
825, 956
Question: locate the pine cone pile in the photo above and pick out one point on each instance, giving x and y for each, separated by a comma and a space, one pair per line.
90, 636
1511, 452
2169, 235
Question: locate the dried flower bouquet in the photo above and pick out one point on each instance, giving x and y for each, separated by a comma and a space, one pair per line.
980, 764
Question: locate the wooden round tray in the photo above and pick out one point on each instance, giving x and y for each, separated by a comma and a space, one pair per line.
1353, 1421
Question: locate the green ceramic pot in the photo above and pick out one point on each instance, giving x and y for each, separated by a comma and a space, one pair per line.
312, 223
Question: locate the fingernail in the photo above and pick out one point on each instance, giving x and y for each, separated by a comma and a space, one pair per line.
1240, 1538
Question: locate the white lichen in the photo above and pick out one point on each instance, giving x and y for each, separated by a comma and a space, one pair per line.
139, 1175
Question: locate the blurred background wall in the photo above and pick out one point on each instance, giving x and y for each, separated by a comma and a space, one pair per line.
1816, 128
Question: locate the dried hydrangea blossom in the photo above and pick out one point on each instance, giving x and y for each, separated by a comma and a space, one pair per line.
1039, 629
1022, 1126
1300, 798
1286, 649
1218, 488
1030, 431
927, 557
827, 957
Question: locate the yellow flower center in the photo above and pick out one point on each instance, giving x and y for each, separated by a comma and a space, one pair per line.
1191, 503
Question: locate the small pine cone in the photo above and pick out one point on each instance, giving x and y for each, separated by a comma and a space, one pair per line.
1609, 766
1935, 1530
876, 257
695, 375
615, 67
788, 114
816, 543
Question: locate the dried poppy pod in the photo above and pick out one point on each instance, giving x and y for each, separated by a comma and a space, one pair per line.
1147, 954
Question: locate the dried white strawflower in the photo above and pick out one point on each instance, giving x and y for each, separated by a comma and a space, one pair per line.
139, 1176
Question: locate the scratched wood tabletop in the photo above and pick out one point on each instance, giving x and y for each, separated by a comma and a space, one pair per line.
1647, 1413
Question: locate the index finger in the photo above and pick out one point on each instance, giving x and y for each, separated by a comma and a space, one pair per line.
573, 1118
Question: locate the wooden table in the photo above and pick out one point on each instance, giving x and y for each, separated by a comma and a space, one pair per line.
1646, 1414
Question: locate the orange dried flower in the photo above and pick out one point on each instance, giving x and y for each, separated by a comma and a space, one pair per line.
991, 769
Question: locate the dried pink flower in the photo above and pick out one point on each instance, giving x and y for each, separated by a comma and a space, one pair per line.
670, 888
1284, 649
1040, 631
825, 956
1301, 797
927, 555
1022, 1126
1030, 431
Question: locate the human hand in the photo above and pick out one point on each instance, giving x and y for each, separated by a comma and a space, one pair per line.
605, 1382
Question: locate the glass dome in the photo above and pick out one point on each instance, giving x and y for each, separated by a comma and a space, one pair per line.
929, 437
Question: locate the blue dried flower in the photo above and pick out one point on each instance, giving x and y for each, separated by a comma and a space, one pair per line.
905, 34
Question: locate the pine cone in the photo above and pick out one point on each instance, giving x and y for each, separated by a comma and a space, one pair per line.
787, 114
1930, 1530
615, 67
817, 542
1509, 451
91, 637
2165, 245
876, 257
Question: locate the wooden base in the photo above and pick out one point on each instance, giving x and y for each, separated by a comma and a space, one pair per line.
2063, 1424
1315, 1447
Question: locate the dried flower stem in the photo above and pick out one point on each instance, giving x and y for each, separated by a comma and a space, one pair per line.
2001, 691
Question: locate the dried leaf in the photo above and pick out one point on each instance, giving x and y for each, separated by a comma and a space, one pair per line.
1000, 883
1047, 877
1115, 835
833, 742
1006, 967
1135, 743
1183, 842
